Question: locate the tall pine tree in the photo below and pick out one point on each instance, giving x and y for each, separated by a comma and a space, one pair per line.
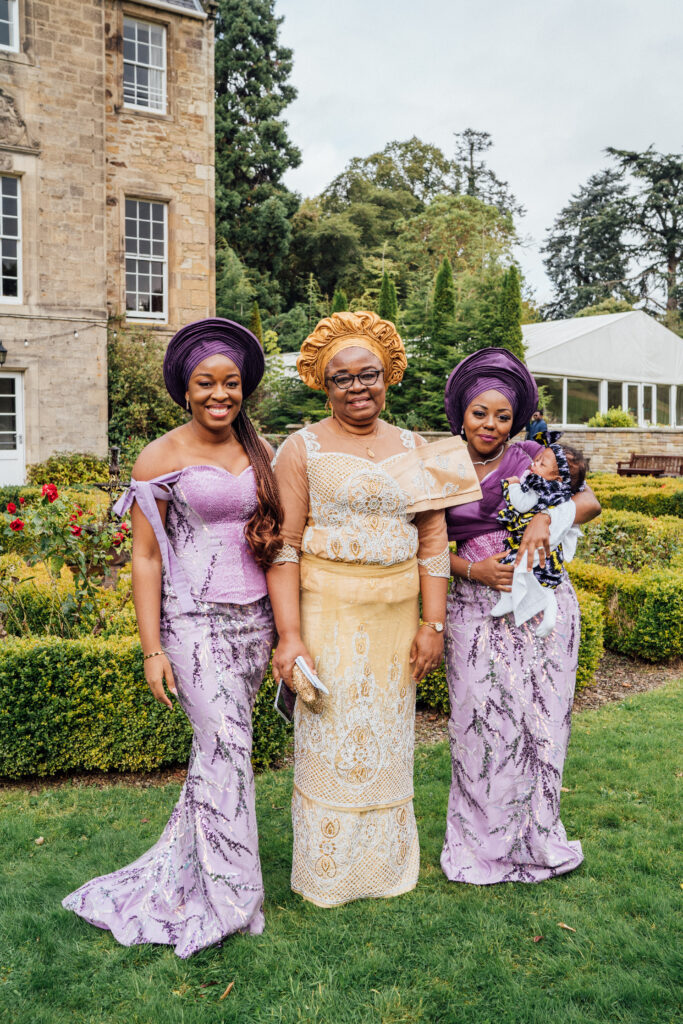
255, 322
253, 151
586, 250
510, 314
388, 301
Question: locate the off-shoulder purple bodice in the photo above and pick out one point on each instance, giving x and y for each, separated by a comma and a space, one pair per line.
204, 551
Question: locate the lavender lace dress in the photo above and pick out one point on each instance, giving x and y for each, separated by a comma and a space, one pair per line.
511, 697
202, 880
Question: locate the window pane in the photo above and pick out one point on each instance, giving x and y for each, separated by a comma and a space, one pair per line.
663, 398
613, 394
144, 59
553, 391
8, 442
582, 400
632, 400
679, 406
10, 186
7, 403
7, 386
647, 403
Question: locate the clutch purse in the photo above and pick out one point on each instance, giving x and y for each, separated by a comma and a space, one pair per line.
312, 698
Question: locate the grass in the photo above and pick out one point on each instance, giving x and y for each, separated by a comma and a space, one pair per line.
445, 952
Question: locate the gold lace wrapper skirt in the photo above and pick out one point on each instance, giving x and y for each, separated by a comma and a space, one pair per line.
352, 808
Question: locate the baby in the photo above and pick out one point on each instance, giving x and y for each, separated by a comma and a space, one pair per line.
546, 487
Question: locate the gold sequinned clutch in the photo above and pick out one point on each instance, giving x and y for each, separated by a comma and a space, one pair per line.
312, 698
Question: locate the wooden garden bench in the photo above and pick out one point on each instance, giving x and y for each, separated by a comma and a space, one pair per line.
651, 465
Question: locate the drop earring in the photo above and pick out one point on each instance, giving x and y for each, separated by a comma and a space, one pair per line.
187, 404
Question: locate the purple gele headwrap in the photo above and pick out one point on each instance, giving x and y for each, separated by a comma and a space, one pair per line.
487, 369
203, 338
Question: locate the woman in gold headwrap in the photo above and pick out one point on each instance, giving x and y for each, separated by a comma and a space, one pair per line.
345, 596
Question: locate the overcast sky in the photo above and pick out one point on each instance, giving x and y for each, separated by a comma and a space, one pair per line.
553, 81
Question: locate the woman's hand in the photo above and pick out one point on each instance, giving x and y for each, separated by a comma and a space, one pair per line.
492, 573
157, 670
426, 652
536, 538
285, 654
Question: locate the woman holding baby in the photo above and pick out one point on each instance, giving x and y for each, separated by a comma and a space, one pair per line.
511, 690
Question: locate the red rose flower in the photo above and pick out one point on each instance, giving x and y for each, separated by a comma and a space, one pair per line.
50, 492
73, 517
76, 530
125, 527
22, 500
16, 525
79, 511
118, 538
11, 507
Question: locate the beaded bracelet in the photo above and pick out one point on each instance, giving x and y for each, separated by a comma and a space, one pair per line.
469, 571
152, 655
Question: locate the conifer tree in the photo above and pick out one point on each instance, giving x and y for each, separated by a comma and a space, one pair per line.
340, 303
510, 314
255, 322
388, 302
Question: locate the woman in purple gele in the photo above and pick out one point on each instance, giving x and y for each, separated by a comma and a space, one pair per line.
511, 692
206, 523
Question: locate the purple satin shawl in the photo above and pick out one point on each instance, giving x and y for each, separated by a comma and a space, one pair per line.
478, 517
209, 337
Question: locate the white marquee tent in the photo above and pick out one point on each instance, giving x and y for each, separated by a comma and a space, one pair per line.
590, 364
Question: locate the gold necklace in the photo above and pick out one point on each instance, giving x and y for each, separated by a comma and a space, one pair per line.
357, 437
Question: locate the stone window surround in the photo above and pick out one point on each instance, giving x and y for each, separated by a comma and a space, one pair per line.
129, 9
15, 22
16, 300
133, 316
625, 385
163, 69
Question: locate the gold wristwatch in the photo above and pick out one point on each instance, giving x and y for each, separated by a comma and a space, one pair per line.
436, 626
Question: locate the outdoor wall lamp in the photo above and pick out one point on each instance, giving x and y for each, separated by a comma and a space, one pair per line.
3, 354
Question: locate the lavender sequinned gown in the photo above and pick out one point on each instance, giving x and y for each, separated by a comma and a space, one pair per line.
511, 697
202, 880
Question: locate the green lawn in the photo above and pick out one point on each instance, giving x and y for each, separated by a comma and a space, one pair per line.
445, 952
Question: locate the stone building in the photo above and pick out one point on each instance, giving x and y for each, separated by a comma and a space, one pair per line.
106, 202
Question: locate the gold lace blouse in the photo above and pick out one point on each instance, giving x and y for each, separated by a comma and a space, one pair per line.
342, 504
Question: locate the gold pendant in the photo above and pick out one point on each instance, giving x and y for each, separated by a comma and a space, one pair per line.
371, 453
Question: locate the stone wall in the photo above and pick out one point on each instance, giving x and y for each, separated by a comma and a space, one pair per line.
52, 98
166, 158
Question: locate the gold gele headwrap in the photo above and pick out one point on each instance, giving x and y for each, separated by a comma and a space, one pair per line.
345, 330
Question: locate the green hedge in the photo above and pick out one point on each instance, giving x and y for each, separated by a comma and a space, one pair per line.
643, 611
631, 540
66, 468
80, 705
650, 495
433, 690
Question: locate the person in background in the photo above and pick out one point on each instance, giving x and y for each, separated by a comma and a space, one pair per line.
206, 524
536, 425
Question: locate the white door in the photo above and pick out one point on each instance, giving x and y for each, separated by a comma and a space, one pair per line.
12, 458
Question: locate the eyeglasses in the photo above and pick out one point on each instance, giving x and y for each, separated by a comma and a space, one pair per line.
344, 381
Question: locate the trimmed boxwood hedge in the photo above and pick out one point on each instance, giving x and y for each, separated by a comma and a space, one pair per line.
631, 540
433, 690
80, 705
643, 611
653, 496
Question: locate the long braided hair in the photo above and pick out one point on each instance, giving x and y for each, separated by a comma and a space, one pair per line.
263, 529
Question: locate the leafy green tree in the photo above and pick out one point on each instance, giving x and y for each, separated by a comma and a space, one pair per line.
656, 209
340, 303
327, 246
510, 313
388, 301
253, 151
234, 291
255, 322
586, 250
476, 179
607, 306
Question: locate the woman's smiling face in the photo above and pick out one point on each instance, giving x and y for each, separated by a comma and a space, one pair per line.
360, 403
214, 392
487, 422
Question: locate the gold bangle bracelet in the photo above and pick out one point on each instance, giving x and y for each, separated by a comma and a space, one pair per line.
154, 654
